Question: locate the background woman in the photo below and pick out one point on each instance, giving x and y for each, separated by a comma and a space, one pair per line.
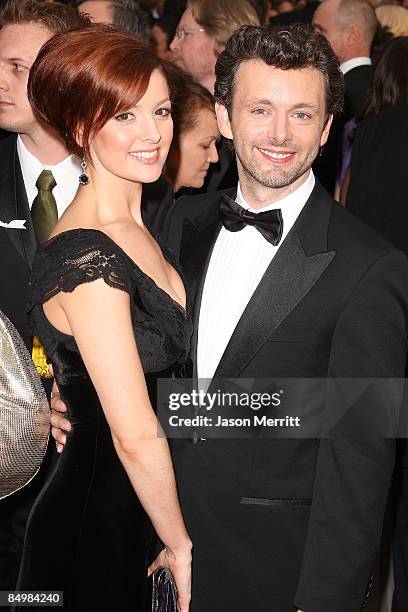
193, 148
110, 308
369, 156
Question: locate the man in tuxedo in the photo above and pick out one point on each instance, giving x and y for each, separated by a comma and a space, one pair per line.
285, 524
287, 284
350, 27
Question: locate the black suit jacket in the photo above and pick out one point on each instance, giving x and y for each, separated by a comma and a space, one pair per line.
378, 191
284, 524
378, 194
17, 247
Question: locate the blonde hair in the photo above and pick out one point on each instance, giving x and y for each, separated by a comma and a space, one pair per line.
220, 19
395, 18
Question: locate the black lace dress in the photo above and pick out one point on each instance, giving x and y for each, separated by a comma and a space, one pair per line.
87, 534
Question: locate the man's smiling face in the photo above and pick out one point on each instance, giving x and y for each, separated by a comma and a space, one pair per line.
278, 123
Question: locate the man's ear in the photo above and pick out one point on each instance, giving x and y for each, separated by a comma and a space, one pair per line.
326, 130
353, 35
223, 120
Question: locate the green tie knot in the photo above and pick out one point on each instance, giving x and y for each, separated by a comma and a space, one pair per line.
46, 181
44, 211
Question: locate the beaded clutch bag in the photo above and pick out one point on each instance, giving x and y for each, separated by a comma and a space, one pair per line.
24, 413
164, 594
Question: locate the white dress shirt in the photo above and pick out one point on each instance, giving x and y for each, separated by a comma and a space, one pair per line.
354, 62
237, 264
66, 174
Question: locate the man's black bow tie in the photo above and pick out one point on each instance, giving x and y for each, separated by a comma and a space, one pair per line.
269, 223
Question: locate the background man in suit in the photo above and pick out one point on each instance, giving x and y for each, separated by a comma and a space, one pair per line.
30, 149
350, 27
286, 285
201, 34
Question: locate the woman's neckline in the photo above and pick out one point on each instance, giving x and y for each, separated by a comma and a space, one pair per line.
51, 240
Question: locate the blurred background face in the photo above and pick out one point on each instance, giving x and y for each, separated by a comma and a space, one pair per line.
197, 150
101, 11
325, 20
19, 46
134, 144
195, 51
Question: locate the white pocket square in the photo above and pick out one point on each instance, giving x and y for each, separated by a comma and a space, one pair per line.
16, 224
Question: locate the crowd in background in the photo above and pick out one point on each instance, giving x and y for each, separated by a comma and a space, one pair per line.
363, 163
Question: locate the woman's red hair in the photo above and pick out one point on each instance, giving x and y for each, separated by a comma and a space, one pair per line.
84, 77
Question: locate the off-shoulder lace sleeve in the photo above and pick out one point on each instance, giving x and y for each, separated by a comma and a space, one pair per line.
77, 257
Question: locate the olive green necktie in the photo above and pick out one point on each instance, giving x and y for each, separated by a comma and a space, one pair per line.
44, 211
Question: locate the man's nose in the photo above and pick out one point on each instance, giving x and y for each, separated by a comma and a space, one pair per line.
4, 84
175, 43
278, 129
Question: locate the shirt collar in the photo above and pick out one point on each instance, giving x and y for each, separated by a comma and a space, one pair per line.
65, 172
290, 205
354, 62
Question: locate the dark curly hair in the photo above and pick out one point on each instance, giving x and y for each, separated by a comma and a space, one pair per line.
292, 47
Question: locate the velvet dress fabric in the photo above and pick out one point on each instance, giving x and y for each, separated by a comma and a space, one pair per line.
102, 536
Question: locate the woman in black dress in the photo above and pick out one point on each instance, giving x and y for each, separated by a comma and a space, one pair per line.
110, 308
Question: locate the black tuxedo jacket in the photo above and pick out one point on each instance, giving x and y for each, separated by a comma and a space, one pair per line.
17, 247
284, 524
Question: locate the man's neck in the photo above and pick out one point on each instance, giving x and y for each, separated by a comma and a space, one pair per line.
46, 146
360, 52
258, 196
209, 83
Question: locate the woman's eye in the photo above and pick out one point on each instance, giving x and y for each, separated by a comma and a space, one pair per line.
124, 117
20, 68
163, 112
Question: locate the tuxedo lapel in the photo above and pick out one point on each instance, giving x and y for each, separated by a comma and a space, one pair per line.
195, 266
28, 236
198, 240
296, 267
14, 204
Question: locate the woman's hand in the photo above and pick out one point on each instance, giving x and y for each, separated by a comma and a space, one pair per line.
60, 425
180, 566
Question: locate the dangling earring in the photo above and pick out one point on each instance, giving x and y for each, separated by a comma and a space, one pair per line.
321, 151
83, 177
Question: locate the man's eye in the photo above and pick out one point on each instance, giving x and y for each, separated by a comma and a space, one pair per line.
259, 111
300, 115
163, 112
124, 117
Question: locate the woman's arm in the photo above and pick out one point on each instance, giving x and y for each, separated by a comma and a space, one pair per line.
99, 318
